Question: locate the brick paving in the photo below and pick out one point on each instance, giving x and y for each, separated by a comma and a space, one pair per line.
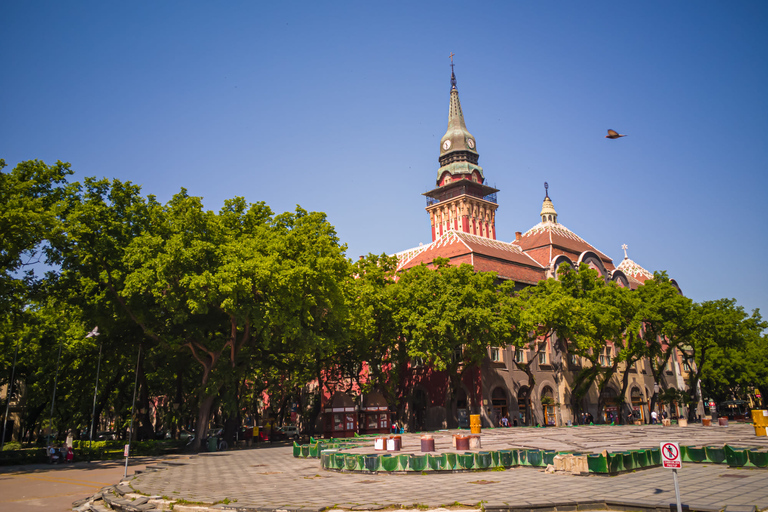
271, 478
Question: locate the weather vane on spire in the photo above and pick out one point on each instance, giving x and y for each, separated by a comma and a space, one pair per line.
453, 77
625, 247
546, 189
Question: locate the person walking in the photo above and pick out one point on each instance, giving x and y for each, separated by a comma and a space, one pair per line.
654, 417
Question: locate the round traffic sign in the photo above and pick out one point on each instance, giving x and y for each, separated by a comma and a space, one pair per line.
670, 451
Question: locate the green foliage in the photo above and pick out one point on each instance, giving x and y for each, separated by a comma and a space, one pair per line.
723, 329
227, 305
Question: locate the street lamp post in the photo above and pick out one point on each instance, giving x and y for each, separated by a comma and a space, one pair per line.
133, 405
93, 334
53, 399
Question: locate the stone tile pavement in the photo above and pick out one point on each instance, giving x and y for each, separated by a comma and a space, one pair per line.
270, 478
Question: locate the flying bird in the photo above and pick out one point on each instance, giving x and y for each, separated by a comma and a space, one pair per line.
613, 135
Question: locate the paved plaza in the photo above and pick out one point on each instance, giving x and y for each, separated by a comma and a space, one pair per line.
270, 478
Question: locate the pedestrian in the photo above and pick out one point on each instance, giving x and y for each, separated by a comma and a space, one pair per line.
654, 417
504, 421
70, 453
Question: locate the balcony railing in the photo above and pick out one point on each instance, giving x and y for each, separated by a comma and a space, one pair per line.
491, 198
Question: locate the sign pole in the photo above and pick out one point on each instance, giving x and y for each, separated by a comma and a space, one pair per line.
677, 491
671, 459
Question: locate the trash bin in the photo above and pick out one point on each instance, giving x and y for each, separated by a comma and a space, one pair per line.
427, 443
474, 423
213, 443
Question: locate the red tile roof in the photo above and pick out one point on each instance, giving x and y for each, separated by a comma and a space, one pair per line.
558, 236
484, 253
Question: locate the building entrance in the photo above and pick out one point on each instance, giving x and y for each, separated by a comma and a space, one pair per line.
500, 408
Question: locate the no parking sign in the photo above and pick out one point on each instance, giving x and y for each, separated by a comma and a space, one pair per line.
670, 455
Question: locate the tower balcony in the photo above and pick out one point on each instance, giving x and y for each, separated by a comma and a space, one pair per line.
460, 188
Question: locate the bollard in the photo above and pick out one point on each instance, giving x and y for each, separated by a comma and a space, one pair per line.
462, 443
393, 445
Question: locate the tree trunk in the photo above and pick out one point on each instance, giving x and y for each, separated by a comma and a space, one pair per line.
146, 430
203, 415
623, 393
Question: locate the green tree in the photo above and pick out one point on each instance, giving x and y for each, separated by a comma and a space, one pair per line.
376, 351
238, 288
451, 315
721, 326
29, 194
666, 323
540, 315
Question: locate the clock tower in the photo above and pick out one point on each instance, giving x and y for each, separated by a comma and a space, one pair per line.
462, 201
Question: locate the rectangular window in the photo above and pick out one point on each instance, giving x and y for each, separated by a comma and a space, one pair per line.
574, 359
605, 357
543, 356
519, 355
686, 367
496, 355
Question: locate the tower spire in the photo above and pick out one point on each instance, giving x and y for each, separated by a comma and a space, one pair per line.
458, 151
453, 75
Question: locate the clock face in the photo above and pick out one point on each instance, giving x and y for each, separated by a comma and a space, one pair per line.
471, 143
446, 145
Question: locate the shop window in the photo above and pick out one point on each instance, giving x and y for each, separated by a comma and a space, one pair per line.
350, 421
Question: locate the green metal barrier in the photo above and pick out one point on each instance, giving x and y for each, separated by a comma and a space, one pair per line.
758, 457
597, 463
715, 454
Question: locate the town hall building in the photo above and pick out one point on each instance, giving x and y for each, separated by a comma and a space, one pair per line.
462, 214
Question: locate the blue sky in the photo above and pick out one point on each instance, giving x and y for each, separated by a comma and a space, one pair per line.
340, 107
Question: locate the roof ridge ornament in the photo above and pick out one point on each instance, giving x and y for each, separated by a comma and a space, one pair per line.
548, 213
625, 247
